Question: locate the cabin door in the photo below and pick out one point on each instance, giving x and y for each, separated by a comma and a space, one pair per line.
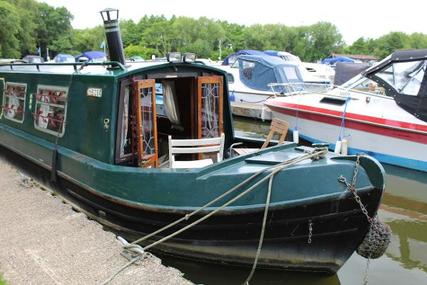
145, 126
209, 106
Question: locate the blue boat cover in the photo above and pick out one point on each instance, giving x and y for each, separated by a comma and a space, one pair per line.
63, 57
257, 71
230, 59
91, 55
334, 60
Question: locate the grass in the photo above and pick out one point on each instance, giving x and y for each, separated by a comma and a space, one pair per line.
2, 282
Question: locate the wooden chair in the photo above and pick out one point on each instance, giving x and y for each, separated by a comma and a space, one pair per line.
277, 126
185, 146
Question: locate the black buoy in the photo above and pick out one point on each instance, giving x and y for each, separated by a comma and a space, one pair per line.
112, 33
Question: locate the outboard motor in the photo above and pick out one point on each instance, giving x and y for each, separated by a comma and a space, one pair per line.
112, 33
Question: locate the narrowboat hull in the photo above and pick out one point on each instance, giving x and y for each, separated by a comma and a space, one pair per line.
231, 236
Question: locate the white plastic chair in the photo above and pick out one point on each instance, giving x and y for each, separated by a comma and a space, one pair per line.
182, 146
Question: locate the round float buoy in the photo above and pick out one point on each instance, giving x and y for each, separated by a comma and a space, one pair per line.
376, 240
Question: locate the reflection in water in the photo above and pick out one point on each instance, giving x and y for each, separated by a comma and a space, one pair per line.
404, 209
209, 274
409, 245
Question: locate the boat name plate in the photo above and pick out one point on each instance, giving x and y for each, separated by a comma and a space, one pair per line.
94, 92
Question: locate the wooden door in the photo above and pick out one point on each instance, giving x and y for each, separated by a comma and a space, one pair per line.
210, 90
145, 126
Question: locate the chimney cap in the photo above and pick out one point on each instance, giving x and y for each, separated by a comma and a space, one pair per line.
109, 14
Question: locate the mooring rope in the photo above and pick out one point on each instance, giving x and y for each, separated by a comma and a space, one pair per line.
314, 155
261, 238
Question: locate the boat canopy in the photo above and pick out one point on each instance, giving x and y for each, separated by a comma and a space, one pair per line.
335, 59
283, 55
230, 59
403, 75
344, 71
92, 56
258, 71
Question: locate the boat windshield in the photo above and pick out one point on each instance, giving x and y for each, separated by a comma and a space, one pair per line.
405, 77
363, 84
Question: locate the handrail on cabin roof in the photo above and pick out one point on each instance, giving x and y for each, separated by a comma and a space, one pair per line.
74, 64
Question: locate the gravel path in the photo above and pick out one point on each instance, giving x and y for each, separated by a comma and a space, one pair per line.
43, 241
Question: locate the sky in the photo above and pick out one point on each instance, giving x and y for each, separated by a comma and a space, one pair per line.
354, 19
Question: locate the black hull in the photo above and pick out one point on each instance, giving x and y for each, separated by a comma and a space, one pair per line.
338, 227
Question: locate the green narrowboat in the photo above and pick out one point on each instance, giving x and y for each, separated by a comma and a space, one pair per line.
101, 131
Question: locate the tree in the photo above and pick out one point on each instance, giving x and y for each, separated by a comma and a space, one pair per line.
9, 30
320, 40
87, 39
26, 10
132, 50
52, 24
391, 42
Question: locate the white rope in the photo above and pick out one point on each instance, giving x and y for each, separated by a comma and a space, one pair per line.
275, 169
316, 154
261, 238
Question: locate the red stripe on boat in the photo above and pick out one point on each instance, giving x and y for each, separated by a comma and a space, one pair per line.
332, 119
375, 120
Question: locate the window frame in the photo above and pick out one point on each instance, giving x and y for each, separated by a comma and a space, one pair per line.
5, 84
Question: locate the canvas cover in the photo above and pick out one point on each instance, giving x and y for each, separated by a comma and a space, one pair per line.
258, 71
336, 59
91, 55
230, 59
416, 63
344, 71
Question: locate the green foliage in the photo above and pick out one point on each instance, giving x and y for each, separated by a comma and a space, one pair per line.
387, 44
87, 39
53, 28
2, 282
27, 24
9, 31
146, 53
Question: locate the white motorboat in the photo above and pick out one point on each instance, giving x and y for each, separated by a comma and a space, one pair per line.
382, 112
250, 80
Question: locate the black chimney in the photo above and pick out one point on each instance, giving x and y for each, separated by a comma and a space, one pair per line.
112, 33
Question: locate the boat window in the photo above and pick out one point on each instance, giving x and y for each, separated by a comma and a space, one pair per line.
209, 108
291, 73
14, 101
405, 77
124, 136
247, 69
368, 85
233, 62
230, 78
256, 75
51, 109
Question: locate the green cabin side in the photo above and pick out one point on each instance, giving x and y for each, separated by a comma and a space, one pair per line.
94, 104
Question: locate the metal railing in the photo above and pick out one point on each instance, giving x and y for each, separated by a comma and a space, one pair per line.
76, 65
287, 89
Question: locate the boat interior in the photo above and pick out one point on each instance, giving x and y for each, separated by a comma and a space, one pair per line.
157, 109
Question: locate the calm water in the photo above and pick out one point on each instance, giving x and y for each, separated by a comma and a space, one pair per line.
404, 209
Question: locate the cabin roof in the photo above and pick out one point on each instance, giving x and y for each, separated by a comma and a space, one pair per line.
93, 69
